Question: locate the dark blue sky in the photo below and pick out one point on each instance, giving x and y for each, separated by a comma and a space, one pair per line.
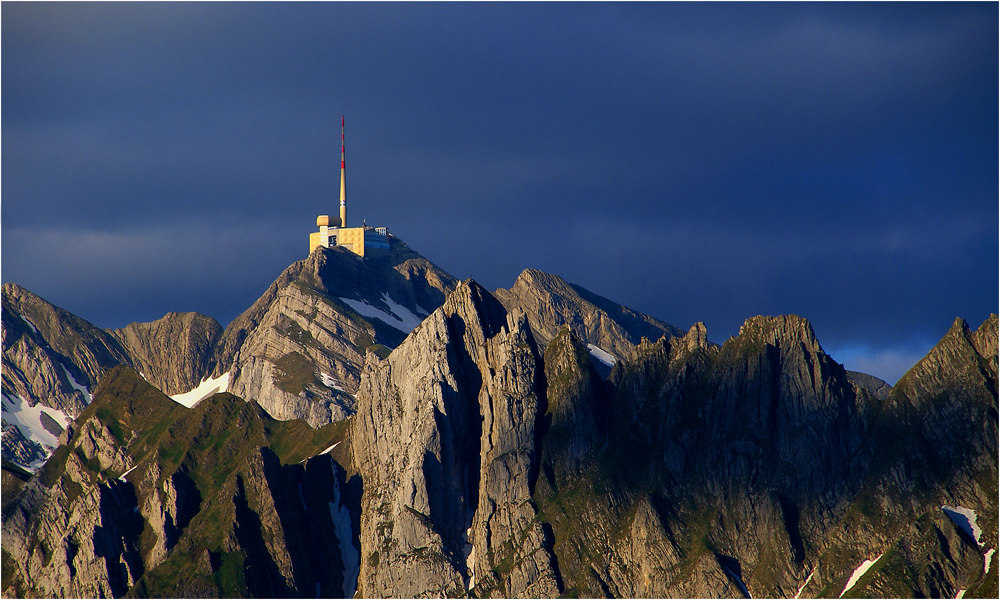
697, 162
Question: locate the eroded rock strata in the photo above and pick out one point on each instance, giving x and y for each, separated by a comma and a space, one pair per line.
480, 464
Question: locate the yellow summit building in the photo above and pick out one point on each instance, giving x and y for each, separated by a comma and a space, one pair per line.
335, 232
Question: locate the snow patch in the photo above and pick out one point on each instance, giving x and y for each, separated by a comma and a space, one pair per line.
960, 595
399, 317
345, 538
605, 357
206, 388
987, 561
331, 383
35, 464
858, 573
737, 579
329, 449
76, 384
31, 325
122, 476
965, 518
808, 579
27, 419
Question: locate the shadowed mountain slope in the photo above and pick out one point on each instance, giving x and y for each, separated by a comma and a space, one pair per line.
549, 303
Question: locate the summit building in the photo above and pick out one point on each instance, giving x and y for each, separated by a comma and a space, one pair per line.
334, 231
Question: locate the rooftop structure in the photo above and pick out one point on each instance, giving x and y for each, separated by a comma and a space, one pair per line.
335, 232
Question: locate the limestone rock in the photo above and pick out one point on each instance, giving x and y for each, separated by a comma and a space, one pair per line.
550, 303
50, 358
172, 352
299, 349
34, 328
872, 385
577, 404
474, 466
121, 509
444, 441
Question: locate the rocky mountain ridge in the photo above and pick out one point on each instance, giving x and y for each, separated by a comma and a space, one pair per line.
298, 350
488, 454
550, 303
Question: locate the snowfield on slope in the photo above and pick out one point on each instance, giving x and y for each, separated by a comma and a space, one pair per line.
206, 388
601, 355
76, 384
28, 419
965, 518
400, 317
859, 573
332, 383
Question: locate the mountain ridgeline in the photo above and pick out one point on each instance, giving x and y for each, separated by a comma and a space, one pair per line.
376, 428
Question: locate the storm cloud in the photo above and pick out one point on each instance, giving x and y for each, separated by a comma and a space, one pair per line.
698, 162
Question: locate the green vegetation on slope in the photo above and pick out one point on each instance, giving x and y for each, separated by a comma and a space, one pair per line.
202, 451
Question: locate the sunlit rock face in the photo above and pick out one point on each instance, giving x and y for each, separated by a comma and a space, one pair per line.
428, 445
550, 303
445, 442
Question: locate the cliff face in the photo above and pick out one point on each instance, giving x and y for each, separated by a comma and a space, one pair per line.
550, 303
300, 348
758, 468
51, 359
37, 332
476, 465
172, 353
445, 443
149, 498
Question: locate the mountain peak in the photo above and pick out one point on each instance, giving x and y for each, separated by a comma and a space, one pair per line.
955, 366
781, 331
550, 302
471, 301
173, 351
696, 337
446, 426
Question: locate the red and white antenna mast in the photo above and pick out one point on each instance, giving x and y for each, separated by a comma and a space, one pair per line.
343, 178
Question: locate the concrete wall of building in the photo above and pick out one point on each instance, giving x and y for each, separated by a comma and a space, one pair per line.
359, 240
326, 236
353, 238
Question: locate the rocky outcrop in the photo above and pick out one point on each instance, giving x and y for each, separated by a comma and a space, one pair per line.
172, 353
149, 498
20, 449
75, 533
550, 303
873, 386
303, 358
299, 349
474, 467
51, 358
475, 464
444, 440
578, 405
37, 332
758, 468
